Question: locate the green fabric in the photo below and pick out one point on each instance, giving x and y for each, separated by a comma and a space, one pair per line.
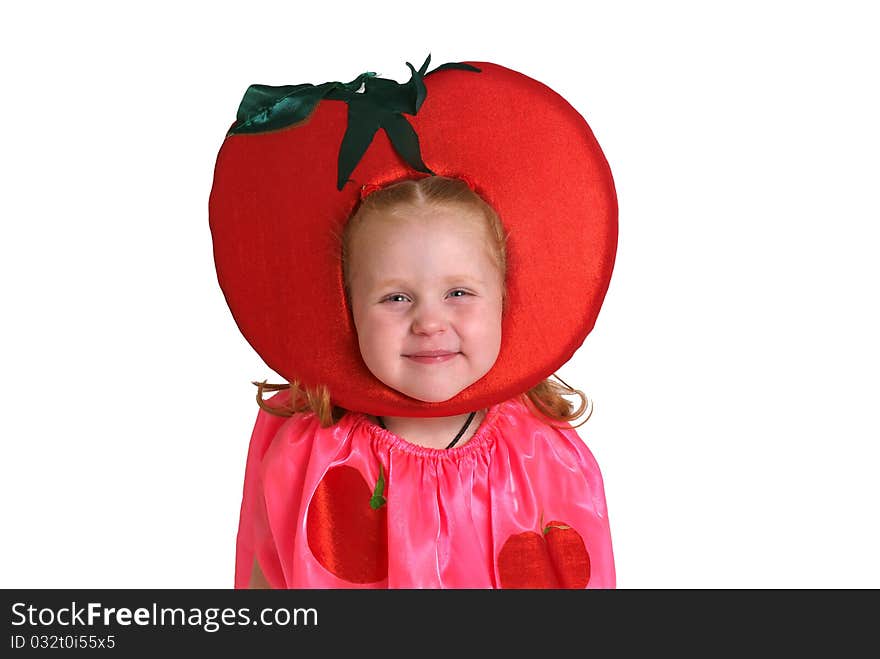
373, 103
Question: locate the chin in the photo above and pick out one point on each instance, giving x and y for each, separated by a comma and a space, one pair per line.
433, 399
423, 390
430, 395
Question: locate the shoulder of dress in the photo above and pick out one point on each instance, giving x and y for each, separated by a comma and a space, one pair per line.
558, 435
516, 408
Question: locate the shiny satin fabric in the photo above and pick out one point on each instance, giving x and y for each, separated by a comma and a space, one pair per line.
520, 505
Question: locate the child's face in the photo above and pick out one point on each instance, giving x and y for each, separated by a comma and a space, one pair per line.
424, 281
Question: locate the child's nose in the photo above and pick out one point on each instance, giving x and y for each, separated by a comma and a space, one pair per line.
429, 319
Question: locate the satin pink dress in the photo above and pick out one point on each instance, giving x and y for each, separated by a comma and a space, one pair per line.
520, 505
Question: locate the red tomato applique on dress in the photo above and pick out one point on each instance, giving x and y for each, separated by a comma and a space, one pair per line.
555, 558
347, 526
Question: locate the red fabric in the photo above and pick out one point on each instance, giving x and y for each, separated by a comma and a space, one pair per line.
347, 535
275, 211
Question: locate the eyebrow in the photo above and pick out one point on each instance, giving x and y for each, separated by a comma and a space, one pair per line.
453, 279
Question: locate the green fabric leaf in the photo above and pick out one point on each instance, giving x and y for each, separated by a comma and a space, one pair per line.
344, 91
266, 108
391, 96
373, 103
377, 500
424, 66
418, 82
405, 140
363, 122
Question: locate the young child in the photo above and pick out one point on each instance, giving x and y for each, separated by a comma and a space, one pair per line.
432, 489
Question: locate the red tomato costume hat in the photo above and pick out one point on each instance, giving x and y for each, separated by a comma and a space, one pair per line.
292, 170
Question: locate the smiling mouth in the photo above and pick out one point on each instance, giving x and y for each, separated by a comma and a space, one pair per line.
432, 357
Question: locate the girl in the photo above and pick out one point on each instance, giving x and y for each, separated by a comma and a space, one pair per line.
441, 487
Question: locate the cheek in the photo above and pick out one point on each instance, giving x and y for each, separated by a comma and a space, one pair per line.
379, 331
482, 325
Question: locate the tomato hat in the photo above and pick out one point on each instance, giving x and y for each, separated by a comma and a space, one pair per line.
298, 159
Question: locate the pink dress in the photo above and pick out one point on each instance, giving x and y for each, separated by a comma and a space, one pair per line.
520, 505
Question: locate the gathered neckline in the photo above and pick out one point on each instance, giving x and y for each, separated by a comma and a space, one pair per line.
481, 438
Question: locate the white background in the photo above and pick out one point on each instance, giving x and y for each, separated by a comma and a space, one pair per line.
733, 365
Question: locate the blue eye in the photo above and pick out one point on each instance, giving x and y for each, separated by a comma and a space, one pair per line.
400, 297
